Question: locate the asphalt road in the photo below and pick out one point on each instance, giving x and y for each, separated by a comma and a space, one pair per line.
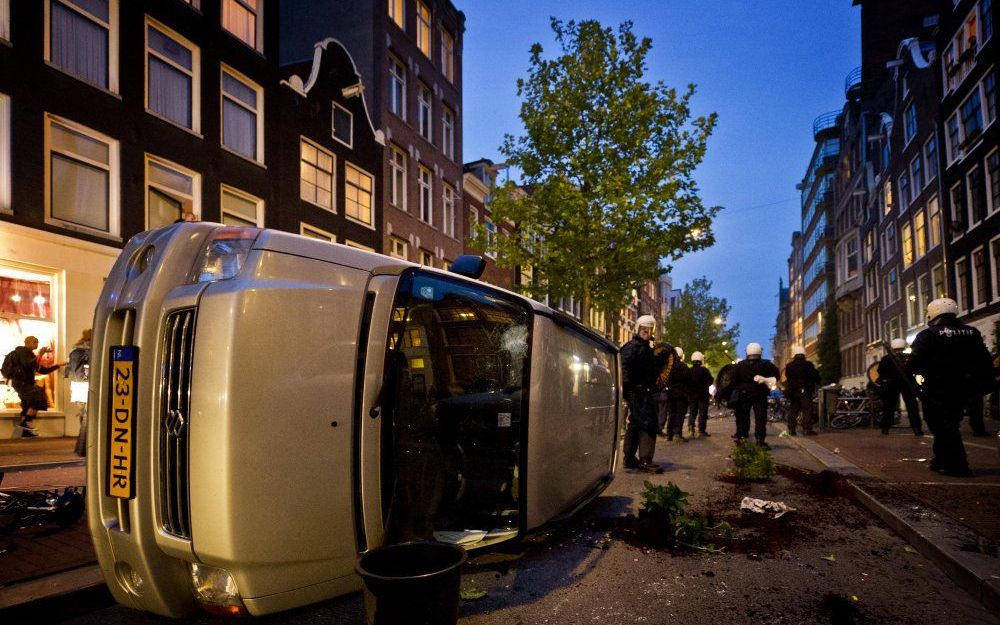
830, 561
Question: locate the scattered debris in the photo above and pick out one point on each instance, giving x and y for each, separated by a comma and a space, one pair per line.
913, 459
472, 594
840, 610
909, 549
836, 450
763, 506
784, 434
829, 558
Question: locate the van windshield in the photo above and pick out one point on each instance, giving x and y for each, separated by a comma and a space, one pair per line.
457, 360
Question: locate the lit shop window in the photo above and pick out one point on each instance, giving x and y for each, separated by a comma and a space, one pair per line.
82, 40
172, 192
241, 209
357, 194
27, 308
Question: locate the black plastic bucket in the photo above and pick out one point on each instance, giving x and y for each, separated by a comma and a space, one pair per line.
412, 583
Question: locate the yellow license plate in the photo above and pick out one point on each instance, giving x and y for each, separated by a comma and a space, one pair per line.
121, 422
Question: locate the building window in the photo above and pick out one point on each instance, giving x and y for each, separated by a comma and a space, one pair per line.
907, 244
397, 178
957, 209
887, 197
980, 284
397, 88
358, 187
448, 133
851, 265
976, 192
424, 28
951, 128
937, 275
934, 212
398, 248
473, 219
911, 305
358, 246
242, 115
426, 258
30, 298
82, 38
241, 209
424, 112
448, 204
424, 185
239, 17
972, 116
995, 266
923, 296
916, 177
930, 157
990, 96
396, 13
910, 123
172, 84
920, 233
81, 178
993, 180
491, 238
904, 190
312, 232
448, 55
316, 167
961, 279
959, 55
4, 153
343, 125
172, 193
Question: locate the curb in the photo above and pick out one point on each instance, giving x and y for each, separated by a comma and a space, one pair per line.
56, 597
929, 533
37, 466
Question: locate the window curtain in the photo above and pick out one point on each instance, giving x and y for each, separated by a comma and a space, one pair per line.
169, 92
240, 21
163, 209
79, 46
239, 129
79, 193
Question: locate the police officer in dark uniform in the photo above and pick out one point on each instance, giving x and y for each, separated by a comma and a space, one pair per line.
891, 385
699, 394
750, 379
638, 381
801, 379
955, 366
677, 394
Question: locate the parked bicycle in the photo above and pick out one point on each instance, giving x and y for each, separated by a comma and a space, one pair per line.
854, 407
777, 409
29, 508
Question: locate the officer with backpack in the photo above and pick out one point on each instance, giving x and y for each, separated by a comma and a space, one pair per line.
19, 368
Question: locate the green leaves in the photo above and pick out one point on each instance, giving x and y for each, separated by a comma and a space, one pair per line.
607, 160
692, 325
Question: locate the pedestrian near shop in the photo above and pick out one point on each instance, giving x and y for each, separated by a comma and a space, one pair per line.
638, 381
20, 367
78, 372
955, 366
749, 389
699, 394
801, 380
892, 384
677, 392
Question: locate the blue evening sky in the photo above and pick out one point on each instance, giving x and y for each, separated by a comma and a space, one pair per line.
767, 67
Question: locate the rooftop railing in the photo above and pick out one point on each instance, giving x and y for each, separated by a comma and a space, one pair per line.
826, 121
853, 81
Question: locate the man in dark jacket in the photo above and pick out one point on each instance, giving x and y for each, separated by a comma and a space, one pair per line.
23, 366
638, 381
892, 384
677, 394
955, 366
698, 394
801, 379
750, 382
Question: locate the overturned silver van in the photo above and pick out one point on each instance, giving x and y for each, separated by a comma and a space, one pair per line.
265, 407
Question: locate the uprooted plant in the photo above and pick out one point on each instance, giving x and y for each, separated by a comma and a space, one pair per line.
663, 520
752, 462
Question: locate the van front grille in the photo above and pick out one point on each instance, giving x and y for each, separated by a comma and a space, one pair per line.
178, 348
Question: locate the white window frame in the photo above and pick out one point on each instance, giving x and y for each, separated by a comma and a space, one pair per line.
113, 36
916, 166
927, 160
194, 74
491, 237
259, 203
424, 255
425, 192
397, 13
397, 174
991, 206
425, 110
258, 113
404, 248
114, 177
5, 141
400, 77
972, 274
317, 233
358, 246
938, 268
424, 29
919, 240
906, 241
448, 132
934, 232
967, 189
333, 117
258, 23
908, 132
955, 49
448, 55
332, 208
448, 209
994, 268
960, 295
348, 165
912, 302
194, 198
952, 150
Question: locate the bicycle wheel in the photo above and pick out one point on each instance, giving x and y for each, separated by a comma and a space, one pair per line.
844, 421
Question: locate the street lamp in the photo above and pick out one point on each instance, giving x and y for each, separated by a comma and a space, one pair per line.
719, 321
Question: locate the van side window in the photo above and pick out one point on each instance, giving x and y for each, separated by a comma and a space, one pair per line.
456, 364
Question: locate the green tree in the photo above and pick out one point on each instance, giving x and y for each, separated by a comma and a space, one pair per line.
698, 323
607, 162
828, 351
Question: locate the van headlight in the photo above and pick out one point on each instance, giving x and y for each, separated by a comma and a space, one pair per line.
224, 254
215, 591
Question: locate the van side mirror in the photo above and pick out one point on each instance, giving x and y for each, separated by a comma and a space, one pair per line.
469, 265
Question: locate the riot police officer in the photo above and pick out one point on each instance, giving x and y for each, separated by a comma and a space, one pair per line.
955, 366
677, 396
750, 386
698, 394
638, 381
801, 379
892, 384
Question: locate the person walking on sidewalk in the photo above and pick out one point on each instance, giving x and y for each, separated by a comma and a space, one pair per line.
78, 372
749, 389
20, 367
638, 380
699, 394
801, 380
892, 384
955, 366
677, 391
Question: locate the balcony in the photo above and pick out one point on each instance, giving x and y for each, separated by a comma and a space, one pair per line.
852, 84
824, 122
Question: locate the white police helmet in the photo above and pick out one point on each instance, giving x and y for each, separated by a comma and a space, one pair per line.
754, 349
646, 321
679, 351
941, 306
697, 357
798, 350
898, 344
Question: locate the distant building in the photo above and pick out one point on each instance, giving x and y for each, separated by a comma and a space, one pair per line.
782, 342
478, 180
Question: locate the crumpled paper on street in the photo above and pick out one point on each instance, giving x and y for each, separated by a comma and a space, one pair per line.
763, 506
